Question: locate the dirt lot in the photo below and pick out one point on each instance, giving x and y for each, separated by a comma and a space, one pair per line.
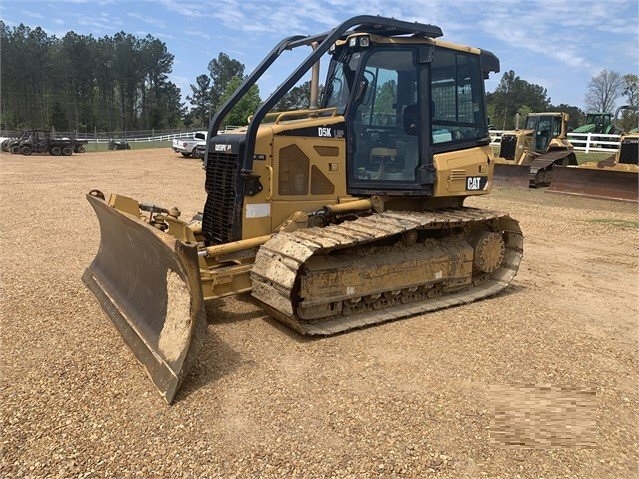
412, 398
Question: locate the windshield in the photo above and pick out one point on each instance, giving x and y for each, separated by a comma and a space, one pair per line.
340, 79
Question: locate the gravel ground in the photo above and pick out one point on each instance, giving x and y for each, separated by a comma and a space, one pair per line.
412, 398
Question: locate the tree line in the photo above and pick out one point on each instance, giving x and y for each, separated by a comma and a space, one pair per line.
78, 82
120, 83
225, 75
114, 83
515, 95
606, 87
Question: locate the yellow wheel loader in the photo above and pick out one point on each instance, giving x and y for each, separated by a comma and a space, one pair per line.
616, 177
527, 157
346, 214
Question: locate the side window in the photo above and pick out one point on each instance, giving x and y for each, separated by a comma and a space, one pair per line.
543, 134
544, 126
339, 89
457, 97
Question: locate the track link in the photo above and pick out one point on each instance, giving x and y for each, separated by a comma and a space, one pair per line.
281, 263
541, 167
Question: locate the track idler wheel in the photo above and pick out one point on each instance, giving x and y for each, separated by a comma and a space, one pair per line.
409, 238
489, 251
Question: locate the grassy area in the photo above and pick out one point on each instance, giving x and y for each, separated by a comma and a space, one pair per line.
583, 157
135, 145
625, 224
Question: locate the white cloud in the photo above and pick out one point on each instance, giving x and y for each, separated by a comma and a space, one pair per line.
31, 14
101, 24
147, 19
197, 33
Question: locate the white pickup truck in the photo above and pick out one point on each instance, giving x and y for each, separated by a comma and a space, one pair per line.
187, 146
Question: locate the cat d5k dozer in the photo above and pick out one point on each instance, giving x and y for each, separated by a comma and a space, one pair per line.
526, 157
616, 177
346, 214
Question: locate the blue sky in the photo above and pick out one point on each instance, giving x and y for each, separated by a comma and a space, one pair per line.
557, 44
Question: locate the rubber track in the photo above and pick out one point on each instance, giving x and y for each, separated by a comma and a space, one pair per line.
278, 263
545, 161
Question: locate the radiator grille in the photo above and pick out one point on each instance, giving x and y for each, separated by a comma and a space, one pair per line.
508, 145
629, 152
222, 213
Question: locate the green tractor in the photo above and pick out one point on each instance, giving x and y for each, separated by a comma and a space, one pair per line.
598, 123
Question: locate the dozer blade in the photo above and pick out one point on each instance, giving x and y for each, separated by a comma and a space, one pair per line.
516, 176
595, 183
148, 283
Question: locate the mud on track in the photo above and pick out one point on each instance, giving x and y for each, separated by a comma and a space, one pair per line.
412, 398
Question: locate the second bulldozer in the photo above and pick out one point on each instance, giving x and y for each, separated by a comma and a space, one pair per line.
342, 215
616, 177
527, 156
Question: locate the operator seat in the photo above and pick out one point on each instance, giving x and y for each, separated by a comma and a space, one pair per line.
408, 149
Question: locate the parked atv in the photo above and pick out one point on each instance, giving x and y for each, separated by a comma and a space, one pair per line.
119, 145
40, 141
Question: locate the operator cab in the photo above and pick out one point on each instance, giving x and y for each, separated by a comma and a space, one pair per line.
545, 128
403, 103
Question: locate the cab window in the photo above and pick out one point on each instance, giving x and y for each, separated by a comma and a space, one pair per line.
457, 97
386, 131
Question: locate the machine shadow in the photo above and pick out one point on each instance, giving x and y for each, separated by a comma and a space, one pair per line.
216, 360
508, 290
223, 311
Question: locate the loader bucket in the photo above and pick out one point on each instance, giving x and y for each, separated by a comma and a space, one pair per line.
595, 183
516, 176
148, 283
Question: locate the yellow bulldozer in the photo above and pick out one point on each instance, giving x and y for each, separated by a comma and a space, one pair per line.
616, 177
527, 156
345, 214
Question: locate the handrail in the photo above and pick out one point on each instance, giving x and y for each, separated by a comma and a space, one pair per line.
286, 115
248, 82
375, 24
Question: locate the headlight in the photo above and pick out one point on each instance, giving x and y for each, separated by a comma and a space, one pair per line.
361, 41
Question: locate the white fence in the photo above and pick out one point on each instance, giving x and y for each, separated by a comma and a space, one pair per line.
587, 142
148, 137
581, 141
132, 137
594, 142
